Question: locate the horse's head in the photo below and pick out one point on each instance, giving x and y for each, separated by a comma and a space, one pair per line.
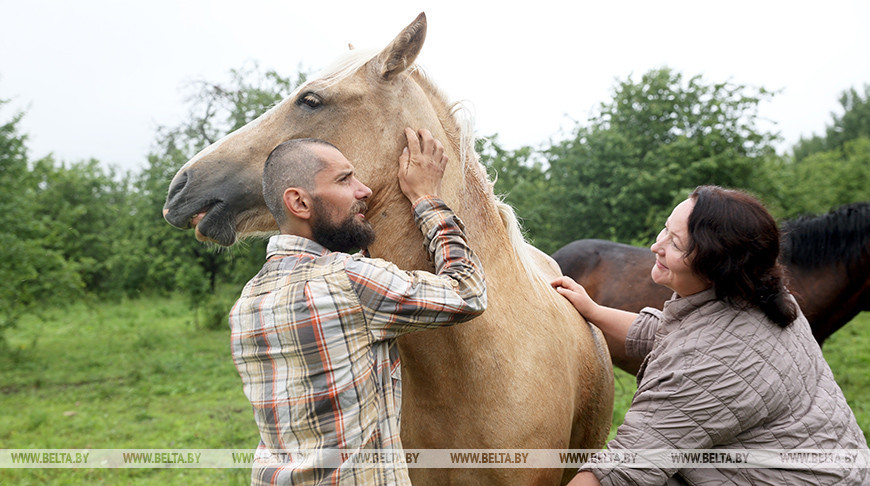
361, 105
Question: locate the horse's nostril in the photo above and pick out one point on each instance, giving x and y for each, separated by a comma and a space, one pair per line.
173, 209
177, 186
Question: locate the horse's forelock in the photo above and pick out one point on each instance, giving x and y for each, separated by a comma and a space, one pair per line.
343, 67
461, 117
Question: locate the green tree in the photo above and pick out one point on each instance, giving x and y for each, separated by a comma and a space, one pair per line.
852, 124
822, 180
619, 176
521, 181
81, 204
33, 274
825, 171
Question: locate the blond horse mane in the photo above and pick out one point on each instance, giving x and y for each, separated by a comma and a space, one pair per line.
458, 122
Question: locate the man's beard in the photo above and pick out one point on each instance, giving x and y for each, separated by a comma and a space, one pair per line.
347, 235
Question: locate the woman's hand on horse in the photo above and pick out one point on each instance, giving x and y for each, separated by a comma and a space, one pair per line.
614, 323
576, 294
421, 165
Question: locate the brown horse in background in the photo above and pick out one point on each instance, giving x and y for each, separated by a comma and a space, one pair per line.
529, 373
826, 258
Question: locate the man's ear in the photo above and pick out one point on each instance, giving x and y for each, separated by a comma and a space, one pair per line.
298, 202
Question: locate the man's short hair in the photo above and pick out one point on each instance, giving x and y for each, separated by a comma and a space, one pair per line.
293, 163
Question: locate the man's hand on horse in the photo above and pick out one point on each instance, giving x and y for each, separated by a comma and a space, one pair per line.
421, 165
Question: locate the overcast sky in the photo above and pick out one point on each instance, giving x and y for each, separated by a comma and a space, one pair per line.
97, 77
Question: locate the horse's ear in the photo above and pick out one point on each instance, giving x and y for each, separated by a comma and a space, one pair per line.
404, 49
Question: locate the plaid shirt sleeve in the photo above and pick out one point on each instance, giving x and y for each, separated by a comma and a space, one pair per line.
396, 301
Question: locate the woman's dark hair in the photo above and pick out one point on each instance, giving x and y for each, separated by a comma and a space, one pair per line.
734, 243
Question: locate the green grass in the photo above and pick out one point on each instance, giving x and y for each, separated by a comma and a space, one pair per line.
138, 374
847, 352
129, 374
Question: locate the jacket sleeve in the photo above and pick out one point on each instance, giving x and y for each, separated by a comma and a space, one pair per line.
641, 335
395, 301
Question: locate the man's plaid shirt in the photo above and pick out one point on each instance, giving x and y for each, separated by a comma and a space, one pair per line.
313, 338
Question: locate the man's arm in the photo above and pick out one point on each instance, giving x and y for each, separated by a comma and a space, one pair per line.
397, 301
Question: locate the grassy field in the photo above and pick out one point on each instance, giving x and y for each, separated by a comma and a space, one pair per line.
131, 374
138, 374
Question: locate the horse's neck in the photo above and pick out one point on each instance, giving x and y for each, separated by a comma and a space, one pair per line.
400, 242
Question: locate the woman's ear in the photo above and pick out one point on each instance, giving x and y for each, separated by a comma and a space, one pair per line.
297, 202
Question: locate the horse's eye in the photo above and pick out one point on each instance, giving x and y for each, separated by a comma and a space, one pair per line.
310, 100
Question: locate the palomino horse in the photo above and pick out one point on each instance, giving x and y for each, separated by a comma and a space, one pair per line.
826, 258
529, 373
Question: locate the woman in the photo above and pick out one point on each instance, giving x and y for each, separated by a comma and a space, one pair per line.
730, 362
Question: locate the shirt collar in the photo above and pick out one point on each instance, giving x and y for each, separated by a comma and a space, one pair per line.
676, 309
284, 245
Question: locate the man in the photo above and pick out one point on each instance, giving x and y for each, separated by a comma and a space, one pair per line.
313, 334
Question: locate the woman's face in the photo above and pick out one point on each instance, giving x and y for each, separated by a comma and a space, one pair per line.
672, 267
